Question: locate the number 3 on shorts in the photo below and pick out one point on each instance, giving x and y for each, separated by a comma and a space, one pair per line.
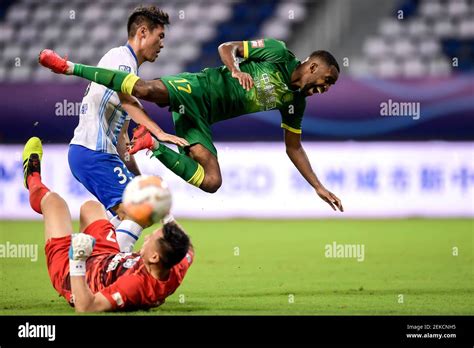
121, 175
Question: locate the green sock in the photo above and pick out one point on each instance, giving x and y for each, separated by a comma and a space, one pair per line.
182, 165
108, 77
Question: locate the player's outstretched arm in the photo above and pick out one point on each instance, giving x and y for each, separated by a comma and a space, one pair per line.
138, 114
123, 141
298, 156
229, 51
84, 300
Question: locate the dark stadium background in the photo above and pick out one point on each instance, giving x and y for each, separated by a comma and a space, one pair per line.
419, 73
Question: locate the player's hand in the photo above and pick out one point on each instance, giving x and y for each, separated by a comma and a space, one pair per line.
245, 79
81, 246
171, 139
330, 198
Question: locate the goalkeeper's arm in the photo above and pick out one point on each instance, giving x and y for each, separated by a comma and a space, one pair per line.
84, 299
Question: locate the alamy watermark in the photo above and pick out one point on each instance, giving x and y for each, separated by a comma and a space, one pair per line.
22, 251
335, 250
37, 331
68, 108
402, 109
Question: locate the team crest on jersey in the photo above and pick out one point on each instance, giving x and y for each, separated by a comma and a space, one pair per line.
257, 43
125, 68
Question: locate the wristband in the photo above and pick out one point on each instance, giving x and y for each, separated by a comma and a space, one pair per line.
77, 268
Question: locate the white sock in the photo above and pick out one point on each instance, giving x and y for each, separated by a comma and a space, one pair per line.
127, 233
156, 144
70, 68
168, 218
115, 220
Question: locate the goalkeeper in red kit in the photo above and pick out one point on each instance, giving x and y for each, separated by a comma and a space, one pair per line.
87, 268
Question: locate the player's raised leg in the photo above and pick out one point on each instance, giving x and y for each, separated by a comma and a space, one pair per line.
127, 231
106, 176
200, 168
91, 211
56, 215
119, 81
212, 179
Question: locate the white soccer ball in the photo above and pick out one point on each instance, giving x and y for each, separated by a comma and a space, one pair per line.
147, 199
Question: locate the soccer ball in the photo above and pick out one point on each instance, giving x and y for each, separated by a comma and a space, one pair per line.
147, 199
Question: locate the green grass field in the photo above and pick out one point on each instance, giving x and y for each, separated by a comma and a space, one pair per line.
281, 269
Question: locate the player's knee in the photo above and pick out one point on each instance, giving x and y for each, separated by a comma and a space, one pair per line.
212, 184
90, 206
52, 199
89, 212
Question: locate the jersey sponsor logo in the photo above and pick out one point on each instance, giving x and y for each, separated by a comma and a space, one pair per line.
125, 68
116, 261
257, 43
117, 298
131, 262
265, 92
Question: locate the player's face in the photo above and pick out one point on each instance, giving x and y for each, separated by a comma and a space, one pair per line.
153, 42
319, 78
149, 251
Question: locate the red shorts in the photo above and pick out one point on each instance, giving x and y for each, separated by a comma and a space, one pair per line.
57, 253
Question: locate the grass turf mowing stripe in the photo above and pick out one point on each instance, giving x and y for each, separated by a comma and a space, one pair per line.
280, 268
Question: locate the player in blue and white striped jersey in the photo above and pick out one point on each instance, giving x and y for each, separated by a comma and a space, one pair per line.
98, 155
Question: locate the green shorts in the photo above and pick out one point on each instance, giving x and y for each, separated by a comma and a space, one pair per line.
189, 103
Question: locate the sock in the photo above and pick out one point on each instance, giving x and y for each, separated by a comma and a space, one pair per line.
37, 191
127, 233
119, 81
115, 220
182, 165
167, 219
70, 68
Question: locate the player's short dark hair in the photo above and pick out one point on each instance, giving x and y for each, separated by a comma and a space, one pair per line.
173, 245
151, 16
327, 57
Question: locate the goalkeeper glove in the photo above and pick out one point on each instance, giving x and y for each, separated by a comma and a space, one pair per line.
80, 249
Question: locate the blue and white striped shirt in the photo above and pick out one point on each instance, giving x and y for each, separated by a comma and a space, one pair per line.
102, 116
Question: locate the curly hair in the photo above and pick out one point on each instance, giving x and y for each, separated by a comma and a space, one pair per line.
327, 57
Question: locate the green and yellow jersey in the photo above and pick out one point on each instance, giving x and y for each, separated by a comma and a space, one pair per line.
269, 63
198, 100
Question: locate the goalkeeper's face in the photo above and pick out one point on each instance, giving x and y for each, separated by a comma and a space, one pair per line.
149, 251
152, 42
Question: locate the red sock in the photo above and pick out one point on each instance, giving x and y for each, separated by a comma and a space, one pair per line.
37, 191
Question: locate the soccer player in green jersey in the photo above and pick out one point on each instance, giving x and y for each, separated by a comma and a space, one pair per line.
269, 77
